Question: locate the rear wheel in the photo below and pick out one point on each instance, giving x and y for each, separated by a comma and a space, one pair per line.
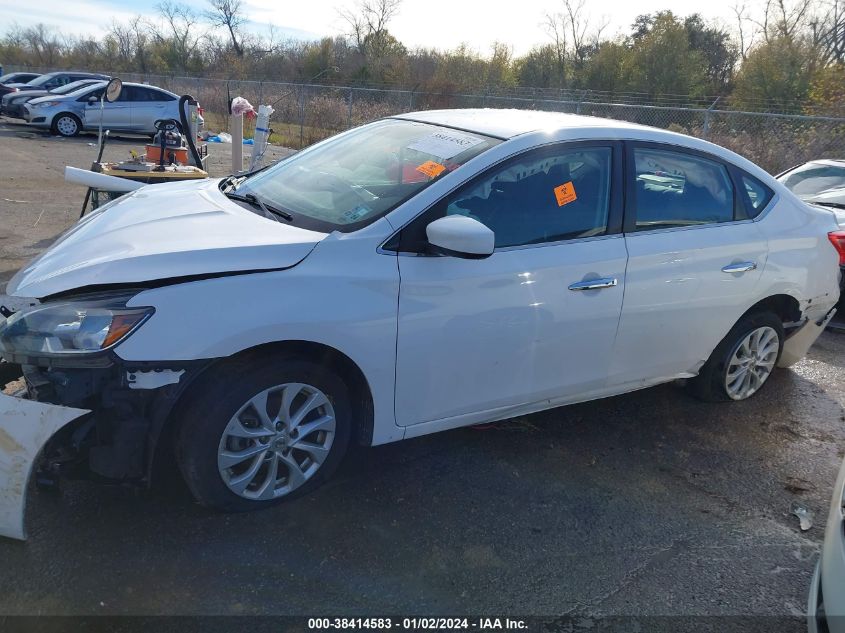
256, 435
67, 124
742, 363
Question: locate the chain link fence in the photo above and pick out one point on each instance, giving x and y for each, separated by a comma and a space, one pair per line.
306, 113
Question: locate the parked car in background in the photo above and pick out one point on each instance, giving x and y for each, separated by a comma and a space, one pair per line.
50, 81
136, 110
819, 181
12, 104
417, 274
826, 605
18, 78
822, 182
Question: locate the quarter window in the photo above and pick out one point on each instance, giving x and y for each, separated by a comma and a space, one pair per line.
677, 189
758, 194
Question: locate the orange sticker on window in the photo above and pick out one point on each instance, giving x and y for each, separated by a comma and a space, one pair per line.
431, 169
565, 193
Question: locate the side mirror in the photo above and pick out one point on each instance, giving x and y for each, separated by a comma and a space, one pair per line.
461, 236
92, 100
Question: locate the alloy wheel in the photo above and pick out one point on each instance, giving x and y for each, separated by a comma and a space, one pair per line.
276, 441
751, 362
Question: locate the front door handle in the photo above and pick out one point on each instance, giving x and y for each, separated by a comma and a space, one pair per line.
594, 284
741, 267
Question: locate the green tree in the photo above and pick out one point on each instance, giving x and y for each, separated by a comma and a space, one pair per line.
663, 61
776, 76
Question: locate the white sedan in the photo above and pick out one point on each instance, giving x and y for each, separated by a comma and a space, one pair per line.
417, 274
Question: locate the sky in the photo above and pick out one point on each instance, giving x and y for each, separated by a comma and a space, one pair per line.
444, 24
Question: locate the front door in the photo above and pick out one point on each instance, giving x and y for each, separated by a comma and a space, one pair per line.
116, 115
536, 320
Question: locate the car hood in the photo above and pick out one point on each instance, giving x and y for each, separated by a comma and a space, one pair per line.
163, 232
32, 94
47, 97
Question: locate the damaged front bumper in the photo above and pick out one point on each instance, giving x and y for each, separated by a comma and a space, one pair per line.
25, 428
101, 422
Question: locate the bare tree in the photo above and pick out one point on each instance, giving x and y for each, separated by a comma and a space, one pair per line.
746, 29
182, 36
368, 20
575, 34
228, 14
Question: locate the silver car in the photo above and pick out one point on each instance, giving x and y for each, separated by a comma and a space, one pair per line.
826, 607
136, 110
12, 104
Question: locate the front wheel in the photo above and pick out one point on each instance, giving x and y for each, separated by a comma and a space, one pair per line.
256, 435
67, 124
742, 363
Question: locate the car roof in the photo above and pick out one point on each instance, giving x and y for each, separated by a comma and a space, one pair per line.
100, 84
507, 124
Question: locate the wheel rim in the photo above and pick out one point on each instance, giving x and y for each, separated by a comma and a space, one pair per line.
752, 362
276, 441
66, 126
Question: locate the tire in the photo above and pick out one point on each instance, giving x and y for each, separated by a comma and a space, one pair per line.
66, 124
210, 443
722, 378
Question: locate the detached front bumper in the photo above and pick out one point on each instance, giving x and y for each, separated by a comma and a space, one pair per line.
25, 428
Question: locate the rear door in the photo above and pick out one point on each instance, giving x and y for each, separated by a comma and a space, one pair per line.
694, 260
535, 321
148, 106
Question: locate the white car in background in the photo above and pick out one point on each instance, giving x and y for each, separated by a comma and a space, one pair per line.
417, 274
136, 110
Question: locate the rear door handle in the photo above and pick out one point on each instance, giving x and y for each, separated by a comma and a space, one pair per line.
594, 284
741, 267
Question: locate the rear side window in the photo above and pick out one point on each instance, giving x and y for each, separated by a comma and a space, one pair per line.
676, 189
757, 195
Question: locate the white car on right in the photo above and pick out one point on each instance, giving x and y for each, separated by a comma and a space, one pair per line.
826, 606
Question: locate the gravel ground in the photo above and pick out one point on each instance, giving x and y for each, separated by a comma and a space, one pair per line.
650, 503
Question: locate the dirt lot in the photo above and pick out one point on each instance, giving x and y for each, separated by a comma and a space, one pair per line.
645, 504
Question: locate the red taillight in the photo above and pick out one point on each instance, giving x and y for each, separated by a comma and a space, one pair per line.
837, 238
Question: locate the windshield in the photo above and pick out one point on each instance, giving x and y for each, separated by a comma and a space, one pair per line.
68, 88
813, 178
354, 179
40, 81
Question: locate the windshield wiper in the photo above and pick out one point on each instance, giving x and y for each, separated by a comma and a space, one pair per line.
251, 198
835, 205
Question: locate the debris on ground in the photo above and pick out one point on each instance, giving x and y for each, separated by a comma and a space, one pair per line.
805, 515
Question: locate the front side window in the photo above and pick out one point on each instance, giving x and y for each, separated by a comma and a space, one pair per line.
543, 197
676, 189
352, 180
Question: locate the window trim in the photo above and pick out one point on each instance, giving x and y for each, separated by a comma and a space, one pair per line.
630, 214
615, 203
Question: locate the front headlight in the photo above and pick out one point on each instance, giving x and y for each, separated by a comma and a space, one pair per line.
71, 327
46, 104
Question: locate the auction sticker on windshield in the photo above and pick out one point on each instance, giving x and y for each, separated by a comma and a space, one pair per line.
445, 145
431, 169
